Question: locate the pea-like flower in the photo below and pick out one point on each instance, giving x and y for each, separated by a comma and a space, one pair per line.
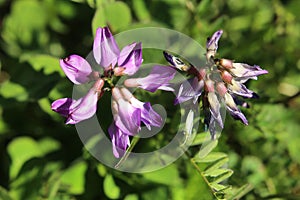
220, 80
129, 113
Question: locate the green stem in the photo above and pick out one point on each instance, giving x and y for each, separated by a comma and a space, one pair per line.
123, 159
204, 178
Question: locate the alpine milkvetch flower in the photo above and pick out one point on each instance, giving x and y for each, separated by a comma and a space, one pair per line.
219, 81
128, 114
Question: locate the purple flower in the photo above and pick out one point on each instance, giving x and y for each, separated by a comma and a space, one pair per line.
130, 58
120, 141
81, 109
190, 89
148, 116
212, 45
126, 116
220, 80
107, 54
76, 68
158, 78
106, 50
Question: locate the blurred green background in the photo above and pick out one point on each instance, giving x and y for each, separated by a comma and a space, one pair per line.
42, 158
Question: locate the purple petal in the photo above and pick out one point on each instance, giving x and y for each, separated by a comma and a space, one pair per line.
190, 89
212, 44
242, 70
76, 68
128, 118
148, 116
214, 107
120, 141
105, 49
62, 106
233, 109
81, 109
158, 78
237, 114
84, 108
131, 58
240, 89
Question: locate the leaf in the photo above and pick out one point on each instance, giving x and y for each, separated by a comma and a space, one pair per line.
168, 176
199, 139
111, 190
213, 156
120, 20
74, 177
131, 197
47, 63
218, 187
141, 11
216, 172
216, 165
13, 90
240, 192
99, 19
106, 15
21, 150
223, 176
4, 194
47, 145
206, 148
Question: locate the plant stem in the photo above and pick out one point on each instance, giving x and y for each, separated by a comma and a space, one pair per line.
123, 159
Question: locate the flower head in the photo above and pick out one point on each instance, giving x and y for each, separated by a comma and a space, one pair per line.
220, 80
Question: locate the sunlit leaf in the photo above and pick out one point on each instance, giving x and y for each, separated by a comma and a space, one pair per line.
141, 10
4, 194
213, 156
48, 64
111, 190
216, 165
206, 148
20, 150
223, 176
13, 90
168, 176
120, 20
74, 177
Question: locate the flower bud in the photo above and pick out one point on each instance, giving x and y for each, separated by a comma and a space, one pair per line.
209, 86
226, 76
118, 71
226, 63
98, 85
132, 82
221, 88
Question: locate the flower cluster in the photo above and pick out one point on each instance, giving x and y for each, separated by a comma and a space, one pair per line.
220, 80
128, 112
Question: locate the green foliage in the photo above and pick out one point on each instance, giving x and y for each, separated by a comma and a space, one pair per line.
42, 158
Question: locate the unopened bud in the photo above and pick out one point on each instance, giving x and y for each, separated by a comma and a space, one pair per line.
118, 71
226, 63
209, 86
132, 82
98, 85
226, 76
221, 88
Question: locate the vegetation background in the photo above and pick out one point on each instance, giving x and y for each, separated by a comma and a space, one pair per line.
42, 158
